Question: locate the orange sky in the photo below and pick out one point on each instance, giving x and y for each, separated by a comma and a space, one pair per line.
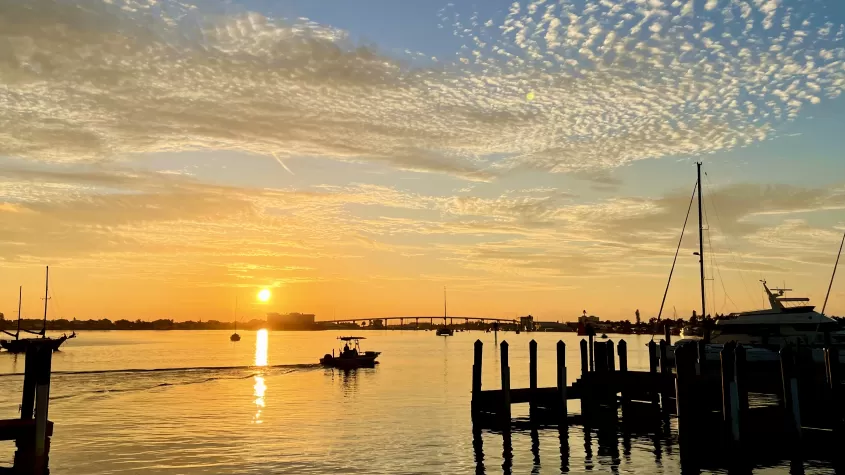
165, 159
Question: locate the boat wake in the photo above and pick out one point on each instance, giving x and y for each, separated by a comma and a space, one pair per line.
101, 383
193, 368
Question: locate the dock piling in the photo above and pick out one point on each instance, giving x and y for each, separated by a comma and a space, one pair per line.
29, 382
741, 383
667, 334
685, 366
652, 368
506, 387
561, 380
831, 359
666, 372
611, 358
585, 358
701, 360
791, 401
532, 374
42, 406
622, 350
476, 375
730, 394
600, 355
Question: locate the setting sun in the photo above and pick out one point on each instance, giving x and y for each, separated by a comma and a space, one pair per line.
264, 295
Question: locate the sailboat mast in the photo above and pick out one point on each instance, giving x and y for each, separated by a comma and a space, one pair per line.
830, 286
46, 298
701, 242
20, 295
444, 305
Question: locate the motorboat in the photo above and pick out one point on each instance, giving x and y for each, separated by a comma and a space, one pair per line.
350, 355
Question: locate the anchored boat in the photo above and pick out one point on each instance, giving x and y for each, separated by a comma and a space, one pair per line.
19, 345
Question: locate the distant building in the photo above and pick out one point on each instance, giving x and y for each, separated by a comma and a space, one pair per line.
291, 321
592, 319
527, 323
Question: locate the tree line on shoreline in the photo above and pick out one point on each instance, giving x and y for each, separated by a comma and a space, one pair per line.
62, 324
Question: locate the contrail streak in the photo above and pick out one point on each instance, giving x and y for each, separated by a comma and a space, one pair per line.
282, 163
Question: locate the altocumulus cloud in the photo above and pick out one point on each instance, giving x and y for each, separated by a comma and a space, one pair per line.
609, 82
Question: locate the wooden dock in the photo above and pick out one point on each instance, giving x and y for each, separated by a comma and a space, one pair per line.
33, 430
716, 404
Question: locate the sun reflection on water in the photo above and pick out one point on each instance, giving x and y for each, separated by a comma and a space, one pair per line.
261, 348
258, 390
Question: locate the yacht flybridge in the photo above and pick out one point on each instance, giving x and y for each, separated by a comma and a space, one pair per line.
789, 321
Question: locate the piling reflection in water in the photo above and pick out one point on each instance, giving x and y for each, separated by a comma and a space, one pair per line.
478, 449
261, 348
507, 453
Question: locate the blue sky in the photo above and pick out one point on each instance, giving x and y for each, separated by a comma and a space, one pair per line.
532, 156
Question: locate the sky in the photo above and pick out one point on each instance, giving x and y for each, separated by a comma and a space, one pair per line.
166, 159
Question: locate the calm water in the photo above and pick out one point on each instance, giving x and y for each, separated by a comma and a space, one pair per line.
262, 406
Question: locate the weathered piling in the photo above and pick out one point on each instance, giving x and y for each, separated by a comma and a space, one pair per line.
600, 354
585, 358
42, 406
476, 376
505, 411
652, 368
687, 407
590, 345
665, 371
611, 358
741, 380
561, 380
29, 382
701, 357
667, 334
791, 398
622, 350
532, 374
731, 391
33, 437
831, 359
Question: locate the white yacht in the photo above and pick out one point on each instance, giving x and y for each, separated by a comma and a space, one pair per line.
789, 321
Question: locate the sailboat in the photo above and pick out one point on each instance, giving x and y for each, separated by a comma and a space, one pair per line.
788, 321
235, 336
445, 330
17, 333
19, 345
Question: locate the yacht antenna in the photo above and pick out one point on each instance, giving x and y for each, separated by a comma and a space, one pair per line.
830, 286
701, 241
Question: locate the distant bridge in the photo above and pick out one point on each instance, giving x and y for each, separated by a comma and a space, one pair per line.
416, 320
